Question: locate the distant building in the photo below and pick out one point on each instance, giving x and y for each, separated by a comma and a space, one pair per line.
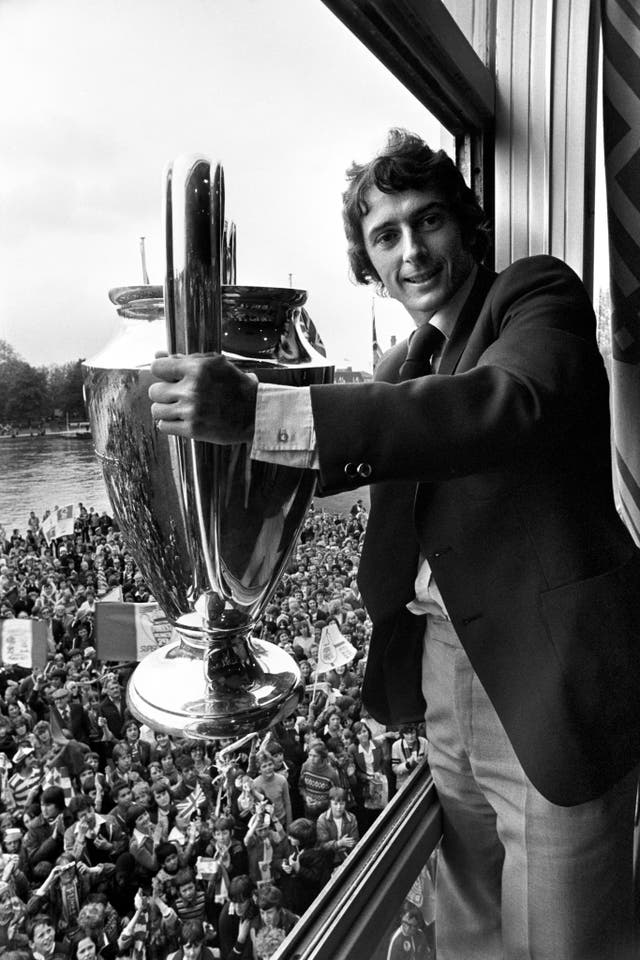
349, 375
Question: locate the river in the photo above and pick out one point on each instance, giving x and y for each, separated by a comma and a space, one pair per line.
39, 473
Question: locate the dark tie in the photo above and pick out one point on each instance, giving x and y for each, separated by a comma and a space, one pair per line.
422, 345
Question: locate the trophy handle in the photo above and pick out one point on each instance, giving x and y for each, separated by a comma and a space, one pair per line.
196, 255
201, 251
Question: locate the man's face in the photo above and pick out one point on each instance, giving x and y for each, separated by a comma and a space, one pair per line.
187, 891
191, 951
269, 916
49, 811
143, 822
337, 808
189, 776
222, 837
267, 769
124, 798
43, 938
415, 246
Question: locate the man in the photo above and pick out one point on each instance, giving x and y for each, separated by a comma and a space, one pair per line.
275, 788
70, 717
113, 708
406, 753
42, 940
337, 828
45, 833
494, 566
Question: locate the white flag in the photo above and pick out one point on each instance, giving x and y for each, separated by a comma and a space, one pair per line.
334, 649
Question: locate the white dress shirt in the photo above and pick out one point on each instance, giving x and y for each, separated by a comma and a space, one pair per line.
285, 433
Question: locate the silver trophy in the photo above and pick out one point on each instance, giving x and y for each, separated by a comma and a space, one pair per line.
210, 529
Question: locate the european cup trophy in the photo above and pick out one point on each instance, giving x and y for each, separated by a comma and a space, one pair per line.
210, 529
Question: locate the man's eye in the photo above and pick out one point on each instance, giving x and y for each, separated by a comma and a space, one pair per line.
384, 239
432, 221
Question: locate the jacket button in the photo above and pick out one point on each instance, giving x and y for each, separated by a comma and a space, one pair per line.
283, 436
365, 470
351, 471
440, 553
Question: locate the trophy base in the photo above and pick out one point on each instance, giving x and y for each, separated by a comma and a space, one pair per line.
224, 689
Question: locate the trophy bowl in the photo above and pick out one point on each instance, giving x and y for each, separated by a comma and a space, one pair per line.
210, 529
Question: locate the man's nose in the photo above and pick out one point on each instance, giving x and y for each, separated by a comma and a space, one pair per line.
413, 244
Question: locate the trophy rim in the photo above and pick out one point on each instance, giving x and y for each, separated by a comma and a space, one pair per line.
137, 293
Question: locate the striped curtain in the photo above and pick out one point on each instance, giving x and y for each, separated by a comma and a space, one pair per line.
621, 113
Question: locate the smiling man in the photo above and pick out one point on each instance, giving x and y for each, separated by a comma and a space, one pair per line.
495, 567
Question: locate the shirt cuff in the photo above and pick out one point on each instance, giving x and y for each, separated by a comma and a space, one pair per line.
284, 431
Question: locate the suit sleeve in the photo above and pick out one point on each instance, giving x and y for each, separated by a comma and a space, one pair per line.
520, 382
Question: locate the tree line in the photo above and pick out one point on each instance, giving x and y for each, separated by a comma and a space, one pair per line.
29, 395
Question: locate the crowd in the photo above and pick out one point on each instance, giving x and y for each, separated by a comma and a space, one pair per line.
118, 841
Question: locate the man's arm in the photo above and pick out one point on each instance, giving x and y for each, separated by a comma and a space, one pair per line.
521, 382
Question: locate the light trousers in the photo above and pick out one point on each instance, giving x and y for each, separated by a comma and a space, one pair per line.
518, 877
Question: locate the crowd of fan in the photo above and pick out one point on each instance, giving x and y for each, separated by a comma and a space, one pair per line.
120, 842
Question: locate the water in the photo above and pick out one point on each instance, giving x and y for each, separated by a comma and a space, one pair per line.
39, 473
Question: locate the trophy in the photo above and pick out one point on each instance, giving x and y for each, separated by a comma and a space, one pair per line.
210, 529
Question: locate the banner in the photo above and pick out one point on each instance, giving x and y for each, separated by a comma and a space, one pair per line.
129, 631
334, 649
24, 642
59, 523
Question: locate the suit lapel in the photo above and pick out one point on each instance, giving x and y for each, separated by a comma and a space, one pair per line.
464, 325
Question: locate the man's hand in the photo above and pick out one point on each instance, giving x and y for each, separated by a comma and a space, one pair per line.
203, 398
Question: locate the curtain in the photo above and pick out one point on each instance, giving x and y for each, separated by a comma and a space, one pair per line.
621, 116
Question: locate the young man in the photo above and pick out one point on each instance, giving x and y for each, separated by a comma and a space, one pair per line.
275, 788
407, 752
235, 920
495, 566
337, 828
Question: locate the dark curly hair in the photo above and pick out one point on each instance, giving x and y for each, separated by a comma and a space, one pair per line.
408, 163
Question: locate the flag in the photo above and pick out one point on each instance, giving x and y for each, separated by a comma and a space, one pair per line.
377, 352
59, 523
190, 806
334, 649
59, 777
113, 596
24, 642
129, 631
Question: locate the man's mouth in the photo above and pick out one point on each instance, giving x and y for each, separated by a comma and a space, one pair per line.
425, 276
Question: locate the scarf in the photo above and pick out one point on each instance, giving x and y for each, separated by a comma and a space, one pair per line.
70, 904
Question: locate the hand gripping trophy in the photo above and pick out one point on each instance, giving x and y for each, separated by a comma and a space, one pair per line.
210, 529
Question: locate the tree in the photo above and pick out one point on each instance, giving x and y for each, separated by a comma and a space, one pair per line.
65, 389
28, 398
30, 394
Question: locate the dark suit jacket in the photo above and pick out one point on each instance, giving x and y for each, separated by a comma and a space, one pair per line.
115, 718
497, 469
